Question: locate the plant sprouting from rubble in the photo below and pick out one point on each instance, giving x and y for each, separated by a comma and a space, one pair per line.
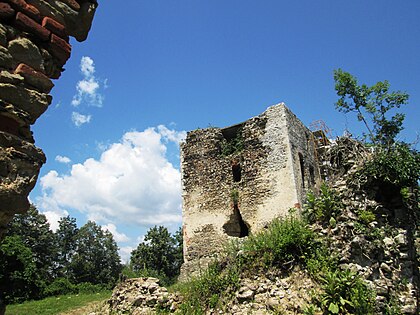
373, 106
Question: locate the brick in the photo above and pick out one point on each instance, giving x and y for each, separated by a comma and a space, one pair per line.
72, 4
27, 24
28, 9
6, 11
55, 27
35, 78
60, 49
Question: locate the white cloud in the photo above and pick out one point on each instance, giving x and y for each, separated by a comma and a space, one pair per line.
88, 89
118, 237
125, 253
62, 159
131, 182
79, 119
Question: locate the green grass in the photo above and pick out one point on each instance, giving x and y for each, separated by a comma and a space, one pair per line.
56, 305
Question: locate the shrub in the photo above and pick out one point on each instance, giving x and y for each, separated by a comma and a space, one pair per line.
322, 207
60, 286
345, 293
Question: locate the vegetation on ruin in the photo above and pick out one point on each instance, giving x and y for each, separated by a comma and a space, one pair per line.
234, 145
284, 244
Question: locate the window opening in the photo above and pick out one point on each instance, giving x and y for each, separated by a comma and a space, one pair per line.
302, 169
236, 171
236, 226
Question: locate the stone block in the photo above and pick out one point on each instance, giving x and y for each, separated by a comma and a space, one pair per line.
6, 11
55, 27
30, 101
9, 125
25, 51
5, 58
60, 49
35, 78
27, 24
7, 77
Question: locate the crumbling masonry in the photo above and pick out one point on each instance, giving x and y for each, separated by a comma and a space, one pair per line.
34, 46
238, 179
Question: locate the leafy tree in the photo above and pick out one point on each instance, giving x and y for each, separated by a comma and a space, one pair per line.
160, 254
96, 258
66, 241
19, 277
372, 106
34, 231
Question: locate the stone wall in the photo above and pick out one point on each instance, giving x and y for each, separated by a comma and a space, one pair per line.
230, 193
34, 46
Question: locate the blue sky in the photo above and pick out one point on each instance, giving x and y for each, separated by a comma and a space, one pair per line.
152, 70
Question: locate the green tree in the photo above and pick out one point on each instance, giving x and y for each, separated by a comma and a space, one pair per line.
372, 104
66, 241
160, 254
96, 258
34, 230
19, 277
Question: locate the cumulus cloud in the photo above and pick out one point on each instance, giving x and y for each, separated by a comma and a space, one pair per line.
80, 119
118, 237
131, 182
88, 90
62, 159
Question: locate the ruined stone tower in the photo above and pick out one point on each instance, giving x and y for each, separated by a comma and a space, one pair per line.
238, 179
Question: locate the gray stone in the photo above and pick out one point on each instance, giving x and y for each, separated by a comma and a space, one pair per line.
3, 35
7, 77
30, 101
245, 294
272, 303
24, 51
6, 58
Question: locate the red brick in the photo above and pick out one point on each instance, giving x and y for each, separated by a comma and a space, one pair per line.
29, 10
6, 11
26, 24
55, 27
35, 78
60, 49
72, 4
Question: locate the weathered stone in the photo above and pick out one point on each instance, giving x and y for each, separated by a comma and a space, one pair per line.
6, 58
25, 51
55, 27
35, 78
7, 77
60, 49
3, 35
30, 101
23, 162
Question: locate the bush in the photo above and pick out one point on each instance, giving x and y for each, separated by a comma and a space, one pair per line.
345, 293
87, 287
322, 207
60, 286
285, 242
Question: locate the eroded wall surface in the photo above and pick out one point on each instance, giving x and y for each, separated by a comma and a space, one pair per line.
34, 46
230, 193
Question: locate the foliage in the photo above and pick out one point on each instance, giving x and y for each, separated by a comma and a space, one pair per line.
160, 255
57, 305
366, 216
34, 230
345, 293
208, 290
60, 286
66, 235
372, 106
398, 167
234, 145
234, 196
322, 207
19, 277
284, 243
96, 259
